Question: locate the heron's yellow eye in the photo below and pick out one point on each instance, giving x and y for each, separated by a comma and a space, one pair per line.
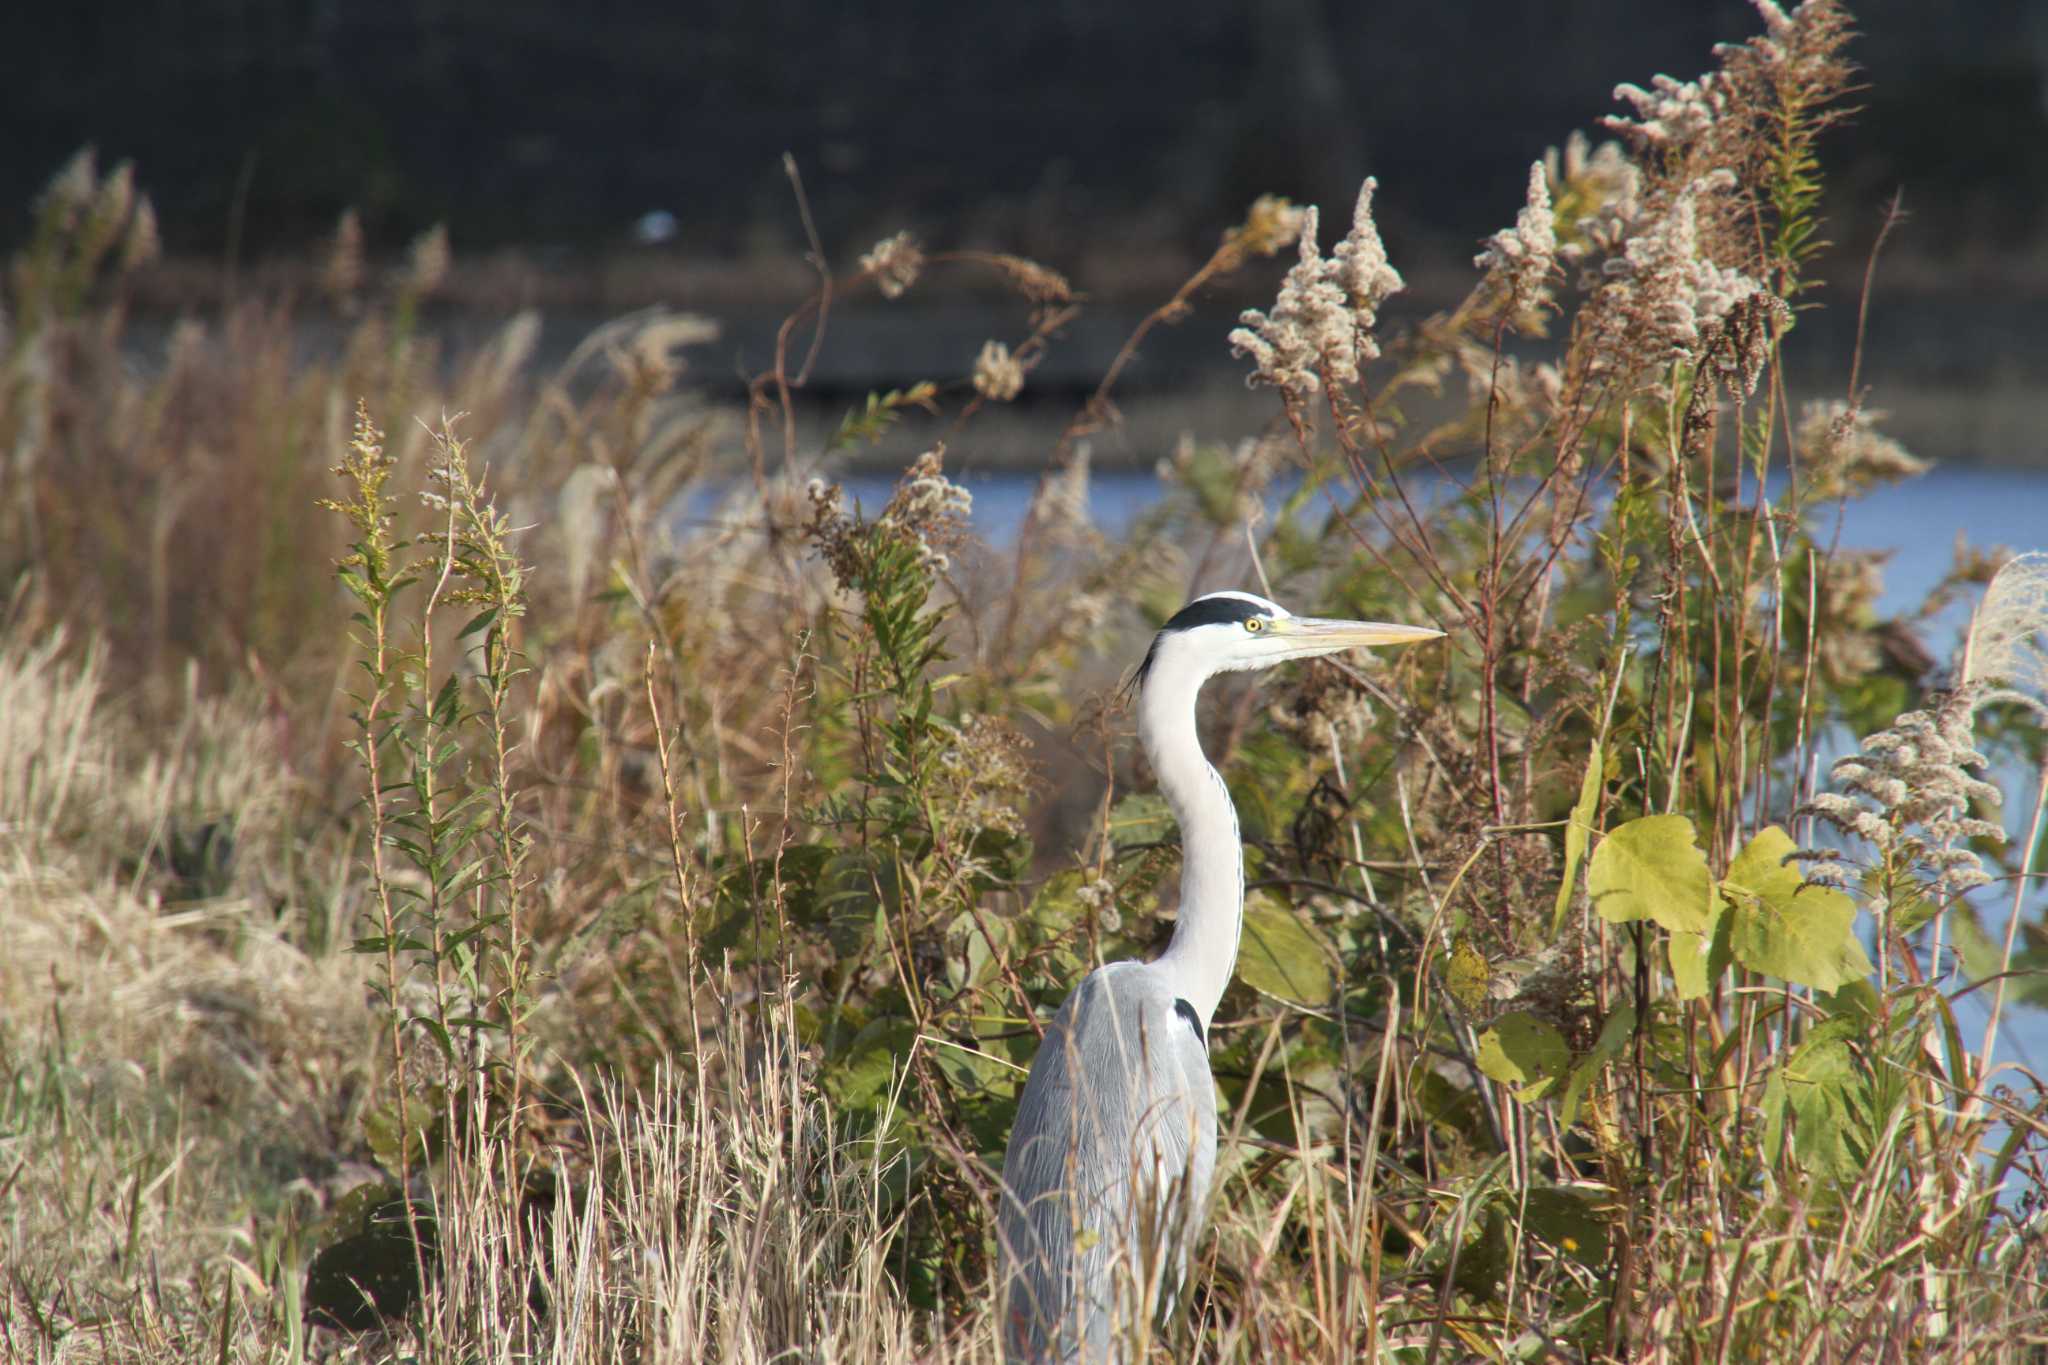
1254, 625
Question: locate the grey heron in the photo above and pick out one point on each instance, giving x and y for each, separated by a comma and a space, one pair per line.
1107, 1176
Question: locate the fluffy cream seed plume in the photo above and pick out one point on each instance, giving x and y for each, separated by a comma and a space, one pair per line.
2008, 643
1520, 259
1671, 113
895, 262
1363, 270
1841, 450
997, 373
1307, 330
428, 260
1912, 789
1322, 322
1663, 294
1910, 793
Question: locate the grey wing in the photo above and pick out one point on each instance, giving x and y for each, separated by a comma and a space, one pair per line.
1109, 1166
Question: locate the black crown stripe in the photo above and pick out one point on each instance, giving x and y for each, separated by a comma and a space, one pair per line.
1214, 611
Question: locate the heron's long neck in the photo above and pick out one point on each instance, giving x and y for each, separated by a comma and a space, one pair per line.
1203, 952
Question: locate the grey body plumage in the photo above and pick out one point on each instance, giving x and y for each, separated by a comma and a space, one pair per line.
1117, 1121
1107, 1178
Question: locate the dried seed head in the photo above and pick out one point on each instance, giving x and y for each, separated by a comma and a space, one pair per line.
1322, 322
344, 273
1059, 506
70, 192
1671, 113
997, 373
895, 262
1664, 295
1519, 261
143, 246
427, 267
2008, 644
1272, 225
1842, 452
1910, 792
1040, 284
1363, 270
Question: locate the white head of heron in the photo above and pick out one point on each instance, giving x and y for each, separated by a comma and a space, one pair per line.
1225, 632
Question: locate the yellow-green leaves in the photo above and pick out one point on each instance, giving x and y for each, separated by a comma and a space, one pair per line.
1282, 957
1763, 914
1613, 1041
1785, 928
1467, 974
1522, 1051
1652, 869
1828, 1096
1697, 960
1577, 830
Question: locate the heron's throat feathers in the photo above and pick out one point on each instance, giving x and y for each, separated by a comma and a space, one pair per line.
1203, 952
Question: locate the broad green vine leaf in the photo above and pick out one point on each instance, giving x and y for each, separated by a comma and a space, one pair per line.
1613, 1041
1774, 1116
1140, 818
1577, 829
1282, 957
1698, 960
1570, 1219
1786, 928
367, 1270
1829, 1097
861, 1076
1652, 869
1522, 1051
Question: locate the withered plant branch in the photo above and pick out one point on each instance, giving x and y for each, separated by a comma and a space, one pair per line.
816, 256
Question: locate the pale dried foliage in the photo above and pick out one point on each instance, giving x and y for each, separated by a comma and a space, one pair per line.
1519, 261
998, 374
197, 1042
2008, 644
894, 263
1320, 329
732, 1222
1841, 451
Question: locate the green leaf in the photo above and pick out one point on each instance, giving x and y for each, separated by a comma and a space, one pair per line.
1282, 957
367, 1268
1774, 1116
1652, 869
1577, 829
1141, 818
862, 1078
1698, 960
438, 1033
1521, 1050
445, 701
1612, 1042
1467, 974
1569, 1219
1784, 927
1829, 1097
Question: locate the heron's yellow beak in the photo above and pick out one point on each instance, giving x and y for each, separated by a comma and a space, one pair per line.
1327, 637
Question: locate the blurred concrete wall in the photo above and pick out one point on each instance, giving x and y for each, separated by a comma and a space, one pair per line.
1040, 125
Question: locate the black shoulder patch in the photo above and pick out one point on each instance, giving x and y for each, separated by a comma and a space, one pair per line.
1187, 1012
1214, 611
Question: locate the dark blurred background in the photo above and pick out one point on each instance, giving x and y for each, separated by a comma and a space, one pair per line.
1112, 141
543, 124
